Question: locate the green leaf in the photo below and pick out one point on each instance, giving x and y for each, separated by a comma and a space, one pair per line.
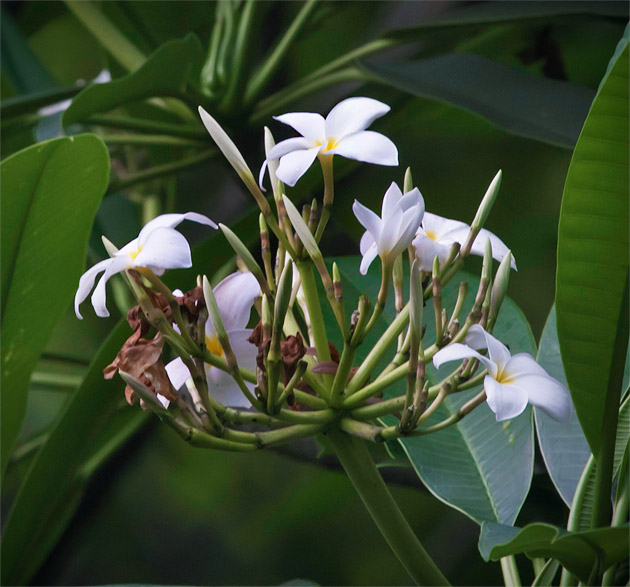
94, 424
592, 276
50, 195
582, 510
497, 13
577, 551
480, 467
165, 73
521, 103
563, 446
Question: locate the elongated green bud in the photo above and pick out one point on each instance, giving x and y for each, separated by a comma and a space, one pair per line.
408, 182
146, 395
283, 296
301, 229
337, 285
243, 252
213, 309
314, 216
416, 299
499, 289
265, 313
234, 157
482, 212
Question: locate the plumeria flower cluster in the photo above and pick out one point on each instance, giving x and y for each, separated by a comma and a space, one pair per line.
255, 350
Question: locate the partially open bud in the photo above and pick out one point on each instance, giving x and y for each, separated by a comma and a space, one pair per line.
483, 211
248, 259
272, 165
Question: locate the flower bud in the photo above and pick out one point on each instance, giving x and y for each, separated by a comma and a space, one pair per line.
499, 289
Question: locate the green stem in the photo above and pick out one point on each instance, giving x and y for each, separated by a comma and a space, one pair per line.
326, 162
273, 104
159, 140
511, 578
238, 56
263, 75
160, 171
106, 33
378, 352
150, 126
314, 310
358, 464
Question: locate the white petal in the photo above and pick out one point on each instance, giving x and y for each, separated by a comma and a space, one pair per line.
443, 227
427, 249
390, 232
391, 201
308, 124
478, 338
295, 164
171, 221
288, 146
499, 249
370, 254
408, 226
549, 395
235, 297
99, 297
367, 241
456, 352
368, 219
244, 350
177, 372
224, 389
369, 147
353, 115
86, 283
506, 401
412, 198
165, 402
164, 248
543, 391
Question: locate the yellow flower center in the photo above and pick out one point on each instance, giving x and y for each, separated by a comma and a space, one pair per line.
504, 377
430, 234
214, 346
135, 253
330, 144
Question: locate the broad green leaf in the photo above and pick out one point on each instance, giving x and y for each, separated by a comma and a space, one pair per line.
563, 446
165, 73
521, 103
94, 424
480, 467
592, 275
496, 13
50, 195
577, 551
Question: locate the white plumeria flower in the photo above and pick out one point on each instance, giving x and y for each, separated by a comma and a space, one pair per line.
512, 381
437, 235
342, 132
157, 247
391, 234
235, 297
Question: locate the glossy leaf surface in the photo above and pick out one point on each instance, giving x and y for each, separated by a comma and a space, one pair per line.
165, 73
50, 195
592, 275
577, 551
563, 446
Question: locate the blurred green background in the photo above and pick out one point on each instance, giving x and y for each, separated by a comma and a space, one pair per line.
161, 512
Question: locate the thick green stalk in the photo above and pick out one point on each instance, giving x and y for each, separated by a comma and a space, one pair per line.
263, 75
511, 577
358, 464
314, 310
